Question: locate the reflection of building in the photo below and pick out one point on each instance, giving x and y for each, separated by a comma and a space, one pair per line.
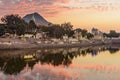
94, 53
29, 57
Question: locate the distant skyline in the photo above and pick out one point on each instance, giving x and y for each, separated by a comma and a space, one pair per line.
85, 14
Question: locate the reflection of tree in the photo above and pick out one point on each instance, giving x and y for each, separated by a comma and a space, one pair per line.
113, 50
83, 52
14, 65
32, 63
1, 62
57, 59
92, 52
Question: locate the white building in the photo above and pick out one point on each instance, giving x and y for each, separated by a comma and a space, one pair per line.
97, 34
65, 38
35, 35
78, 35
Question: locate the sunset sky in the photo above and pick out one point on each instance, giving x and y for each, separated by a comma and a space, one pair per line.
85, 14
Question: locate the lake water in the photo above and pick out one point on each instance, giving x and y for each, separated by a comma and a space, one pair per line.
93, 63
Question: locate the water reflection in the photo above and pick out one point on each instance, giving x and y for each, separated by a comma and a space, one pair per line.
113, 50
32, 62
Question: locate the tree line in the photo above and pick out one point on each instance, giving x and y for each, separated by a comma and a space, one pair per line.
14, 24
112, 34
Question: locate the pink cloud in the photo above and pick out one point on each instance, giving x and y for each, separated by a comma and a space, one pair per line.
73, 72
100, 5
22, 7
50, 8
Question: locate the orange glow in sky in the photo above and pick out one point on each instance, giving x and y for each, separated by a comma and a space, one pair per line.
85, 14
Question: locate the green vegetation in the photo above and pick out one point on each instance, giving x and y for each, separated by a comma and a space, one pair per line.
68, 29
89, 35
112, 34
2, 29
32, 26
13, 24
57, 31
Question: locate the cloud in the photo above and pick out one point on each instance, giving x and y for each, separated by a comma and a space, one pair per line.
4, 2
50, 8
22, 7
73, 72
95, 4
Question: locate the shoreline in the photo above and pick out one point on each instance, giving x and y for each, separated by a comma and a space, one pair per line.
14, 44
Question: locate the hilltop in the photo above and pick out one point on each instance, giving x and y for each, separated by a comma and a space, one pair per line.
37, 18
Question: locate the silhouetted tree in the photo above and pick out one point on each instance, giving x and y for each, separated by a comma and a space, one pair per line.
113, 50
112, 34
14, 24
84, 32
44, 28
57, 31
2, 29
68, 28
21, 28
12, 19
32, 26
78, 30
89, 35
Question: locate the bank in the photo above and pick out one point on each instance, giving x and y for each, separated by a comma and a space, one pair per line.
33, 44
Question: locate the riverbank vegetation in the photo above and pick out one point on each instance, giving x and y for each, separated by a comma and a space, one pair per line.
15, 25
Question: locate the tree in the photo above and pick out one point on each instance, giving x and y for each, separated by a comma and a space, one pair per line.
112, 34
44, 28
57, 31
78, 30
104, 35
89, 35
14, 24
2, 29
21, 28
68, 28
12, 19
84, 32
54, 30
32, 25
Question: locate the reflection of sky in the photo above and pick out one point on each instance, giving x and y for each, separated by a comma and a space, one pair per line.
74, 72
104, 58
94, 53
104, 66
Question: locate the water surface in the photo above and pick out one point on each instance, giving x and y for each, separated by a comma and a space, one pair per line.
93, 63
